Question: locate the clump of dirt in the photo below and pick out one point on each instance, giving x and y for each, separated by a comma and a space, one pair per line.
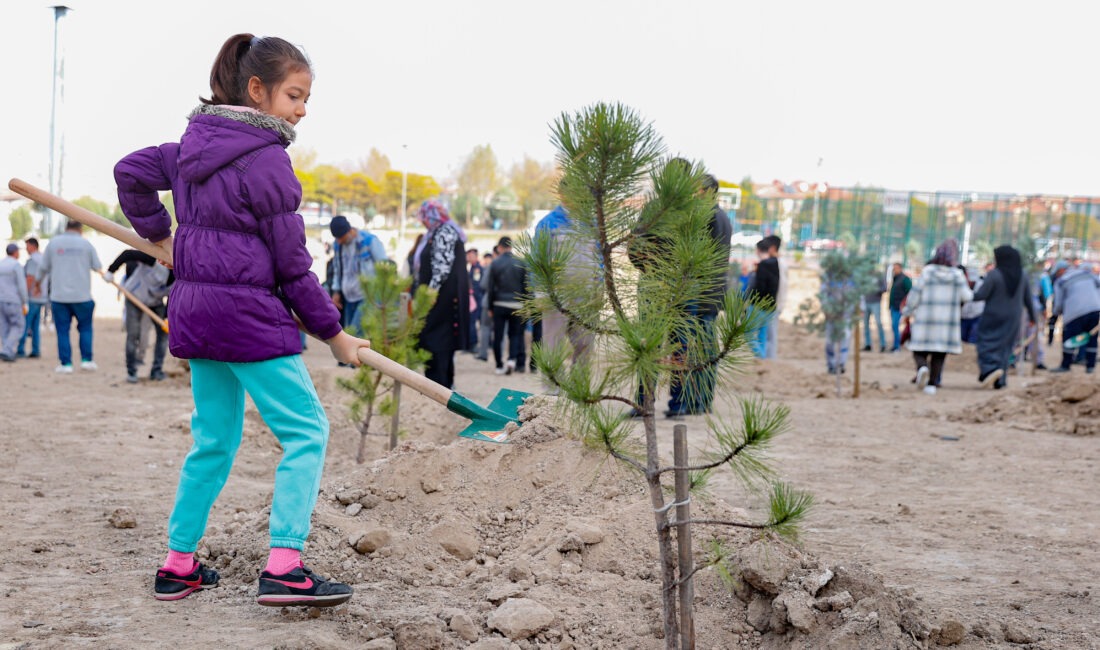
552, 545
538, 422
1064, 404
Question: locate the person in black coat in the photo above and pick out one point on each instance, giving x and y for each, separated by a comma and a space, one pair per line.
506, 288
764, 285
440, 263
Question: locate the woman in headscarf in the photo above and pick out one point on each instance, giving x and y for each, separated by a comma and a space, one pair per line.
933, 306
1006, 296
439, 262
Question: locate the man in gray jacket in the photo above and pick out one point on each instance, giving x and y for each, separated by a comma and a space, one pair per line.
13, 302
1077, 301
68, 262
39, 298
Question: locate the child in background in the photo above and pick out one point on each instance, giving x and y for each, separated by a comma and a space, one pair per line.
242, 268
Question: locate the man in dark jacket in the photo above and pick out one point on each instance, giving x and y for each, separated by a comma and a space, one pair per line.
693, 394
872, 302
899, 289
765, 285
506, 287
474, 269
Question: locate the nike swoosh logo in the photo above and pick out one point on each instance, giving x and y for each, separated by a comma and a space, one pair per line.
306, 584
197, 582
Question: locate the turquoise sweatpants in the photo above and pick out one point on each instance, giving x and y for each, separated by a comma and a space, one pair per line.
284, 394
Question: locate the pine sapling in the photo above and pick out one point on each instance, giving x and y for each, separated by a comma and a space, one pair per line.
392, 321
846, 276
644, 223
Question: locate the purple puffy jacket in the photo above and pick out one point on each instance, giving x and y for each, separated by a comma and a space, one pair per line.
239, 255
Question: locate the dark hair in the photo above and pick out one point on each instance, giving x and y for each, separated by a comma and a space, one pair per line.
243, 56
773, 240
762, 245
710, 183
74, 225
31, 241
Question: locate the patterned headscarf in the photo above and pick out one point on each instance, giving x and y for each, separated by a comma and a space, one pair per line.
432, 214
947, 253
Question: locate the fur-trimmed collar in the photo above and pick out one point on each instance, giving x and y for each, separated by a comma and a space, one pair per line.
249, 116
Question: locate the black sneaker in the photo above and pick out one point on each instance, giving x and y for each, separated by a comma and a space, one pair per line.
301, 587
171, 586
158, 375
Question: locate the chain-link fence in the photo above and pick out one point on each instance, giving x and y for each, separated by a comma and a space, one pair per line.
904, 225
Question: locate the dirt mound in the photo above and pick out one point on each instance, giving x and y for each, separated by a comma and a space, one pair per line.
551, 545
539, 422
1063, 404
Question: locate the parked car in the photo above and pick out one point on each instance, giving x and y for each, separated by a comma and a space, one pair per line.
746, 238
822, 244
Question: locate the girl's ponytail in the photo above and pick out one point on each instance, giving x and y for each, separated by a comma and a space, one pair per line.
225, 81
244, 56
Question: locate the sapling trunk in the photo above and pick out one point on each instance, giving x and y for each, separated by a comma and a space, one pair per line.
364, 426
395, 419
683, 537
660, 514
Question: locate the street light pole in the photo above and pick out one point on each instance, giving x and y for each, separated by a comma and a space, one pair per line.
404, 193
57, 101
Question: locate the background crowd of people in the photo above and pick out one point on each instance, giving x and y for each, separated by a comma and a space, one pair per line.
1001, 309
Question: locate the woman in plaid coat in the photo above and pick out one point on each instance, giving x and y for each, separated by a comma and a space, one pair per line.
933, 308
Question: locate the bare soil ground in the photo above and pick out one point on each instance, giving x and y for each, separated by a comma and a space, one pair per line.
960, 508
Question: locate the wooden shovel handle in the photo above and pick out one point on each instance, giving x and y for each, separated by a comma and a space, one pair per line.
90, 219
161, 323
413, 380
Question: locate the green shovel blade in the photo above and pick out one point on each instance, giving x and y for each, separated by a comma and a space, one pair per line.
1078, 341
487, 423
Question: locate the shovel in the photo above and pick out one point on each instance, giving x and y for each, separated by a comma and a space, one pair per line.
487, 423
1080, 340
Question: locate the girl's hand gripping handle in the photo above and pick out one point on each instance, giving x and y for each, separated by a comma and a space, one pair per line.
345, 348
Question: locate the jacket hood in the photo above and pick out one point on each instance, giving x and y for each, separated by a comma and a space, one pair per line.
555, 219
940, 272
218, 135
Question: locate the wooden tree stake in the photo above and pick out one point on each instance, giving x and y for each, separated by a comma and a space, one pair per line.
683, 537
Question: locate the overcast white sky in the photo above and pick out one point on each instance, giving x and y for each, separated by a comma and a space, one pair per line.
997, 96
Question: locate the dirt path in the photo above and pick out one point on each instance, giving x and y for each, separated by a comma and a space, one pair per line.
998, 526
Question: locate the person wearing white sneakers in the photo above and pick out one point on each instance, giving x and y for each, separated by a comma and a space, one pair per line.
68, 262
934, 307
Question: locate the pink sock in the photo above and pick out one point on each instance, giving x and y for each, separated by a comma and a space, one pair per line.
283, 560
180, 564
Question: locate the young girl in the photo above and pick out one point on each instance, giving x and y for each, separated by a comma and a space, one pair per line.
241, 268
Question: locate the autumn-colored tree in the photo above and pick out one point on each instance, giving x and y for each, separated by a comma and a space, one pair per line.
375, 165
533, 184
355, 191
478, 177
419, 188
752, 210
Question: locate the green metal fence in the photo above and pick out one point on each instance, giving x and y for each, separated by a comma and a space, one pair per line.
895, 225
